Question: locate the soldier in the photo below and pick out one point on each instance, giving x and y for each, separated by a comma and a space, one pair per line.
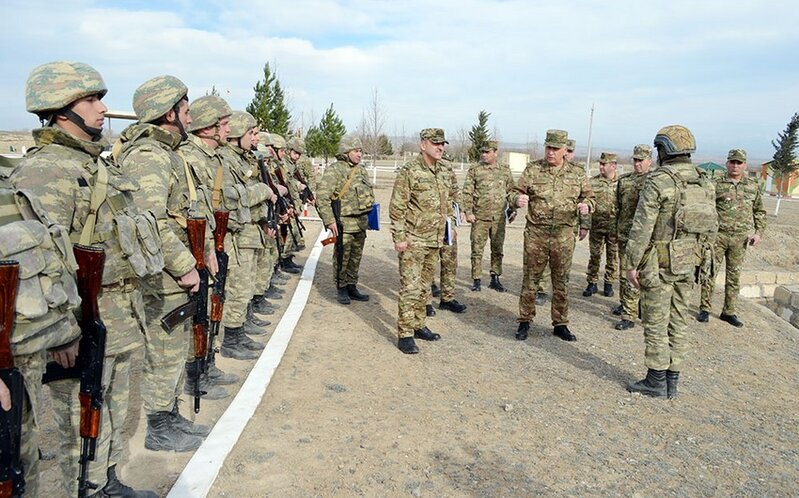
554, 192
296, 151
627, 190
674, 210
740, 208
420, 208
484, 201
347, 181
603, 227
571, 144
90, 196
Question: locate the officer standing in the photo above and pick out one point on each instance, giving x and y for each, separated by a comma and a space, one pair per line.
627, 190
554, 192
742, 221
675, 209
420, 209
603, 233
484, 200
347, 182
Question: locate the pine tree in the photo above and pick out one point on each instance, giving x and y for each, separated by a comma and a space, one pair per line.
323, 140
279, 115
261, 102
479, 135
785, 163
384, 147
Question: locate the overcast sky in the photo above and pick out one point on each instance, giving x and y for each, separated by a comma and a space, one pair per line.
727, 70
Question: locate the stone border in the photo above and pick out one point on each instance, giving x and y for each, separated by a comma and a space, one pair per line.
786, 303
761, 284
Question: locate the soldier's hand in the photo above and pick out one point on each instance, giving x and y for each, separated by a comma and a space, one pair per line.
211, 262
632, 277
273, 199
583, 233
754, 240
282, 190
401, 246
271, 233
65, 356
583, 208
333, 229
5, 396
190, 281
522, 200
471, 218
312, 202
303, 187
284, 218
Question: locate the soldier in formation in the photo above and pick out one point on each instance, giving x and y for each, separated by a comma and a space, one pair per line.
603, 234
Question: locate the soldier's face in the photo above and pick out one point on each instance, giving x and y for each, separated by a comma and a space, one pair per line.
224, 129
642, 165
256, 137
554, 156
355, 156
247, 139
433, 152
569, 155
735, 169
184, 116
294, 155
281, 153
608, 170
91, 109
489, 156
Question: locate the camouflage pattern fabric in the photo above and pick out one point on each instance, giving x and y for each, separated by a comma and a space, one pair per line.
483, 231
448, 259
31, 366
627, 191
603, 234
730, 249
414, 287
265, 260
628, 295
351, 260
157, 96
239, 287
308, 172
55, 85
553, 246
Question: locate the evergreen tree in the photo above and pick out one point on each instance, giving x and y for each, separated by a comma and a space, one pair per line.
323, 140
479, 135
279, 115
268, 106
785, 163
384, 147
213, 91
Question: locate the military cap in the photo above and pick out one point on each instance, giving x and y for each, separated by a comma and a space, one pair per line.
489, 145
571, 144
55, 85
675, 140
348, 144
556, 139
642, 151
608, 157
207, 111
240, 123
737, 155
434, 135
157, 96
296, 144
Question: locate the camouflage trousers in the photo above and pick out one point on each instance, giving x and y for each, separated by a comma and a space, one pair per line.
483, 231
352, 252
597, 240
553, 246
664, 312
414, 287
239, 286
164, 354
448, 256
628, 295
265, 260
544, 283
31, 366
730, 249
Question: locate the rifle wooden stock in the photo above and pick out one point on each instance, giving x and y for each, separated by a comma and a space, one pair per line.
218, 293
12, 477
199, 323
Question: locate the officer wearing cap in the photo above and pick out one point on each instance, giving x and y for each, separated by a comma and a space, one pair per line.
627, 190
421, 205
484, 201
557, 196
603, 227
742, 221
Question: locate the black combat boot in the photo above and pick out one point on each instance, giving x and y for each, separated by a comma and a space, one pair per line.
250, 326
624, 324
541, 298
343, 296
287, 267
607, 290
258, 322
426, 334
181, 423
618, 310
435, 290
355, 294
590, 290
731, 319
703, 316
454, 306
671, 383
208, 390
232, 348
496, 284
522, 331
429, 311
274, 292
407, 345
290, 262
218, 377
261, 306
163, 435
476, 285
279, 278
563, 332
248, 343
115, 487
654, 384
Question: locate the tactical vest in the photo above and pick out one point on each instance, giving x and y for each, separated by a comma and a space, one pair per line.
47, 288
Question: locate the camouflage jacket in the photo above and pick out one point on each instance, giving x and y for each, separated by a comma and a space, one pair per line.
251, 194
740, 206
357, 200
308, 172
453, 180
554, 194
420, 203
485, 190
604, 215
627, 189
287, 168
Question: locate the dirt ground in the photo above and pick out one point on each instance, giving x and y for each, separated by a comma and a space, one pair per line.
481, 414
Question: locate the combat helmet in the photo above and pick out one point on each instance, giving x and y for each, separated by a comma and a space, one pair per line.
240, 123
157, 96
675, 140
349, 144
53, 86
207, 111
275, 140
296, 144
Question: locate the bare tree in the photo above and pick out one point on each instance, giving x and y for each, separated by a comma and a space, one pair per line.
372, 122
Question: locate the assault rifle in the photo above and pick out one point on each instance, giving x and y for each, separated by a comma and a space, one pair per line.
307, 194
271, 223
218, 293
12, 476
335, 205
199, 322
281, 205
282, 180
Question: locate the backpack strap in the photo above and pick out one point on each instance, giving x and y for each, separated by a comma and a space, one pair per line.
99, 194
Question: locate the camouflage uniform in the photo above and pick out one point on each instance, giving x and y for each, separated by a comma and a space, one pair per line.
485, 196
603, 230
448, 253
552, 216
740, 209
421, 202
627, 191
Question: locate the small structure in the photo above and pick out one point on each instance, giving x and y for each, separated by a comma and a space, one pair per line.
787, 184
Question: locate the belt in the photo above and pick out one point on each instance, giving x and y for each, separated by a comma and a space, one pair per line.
125, 282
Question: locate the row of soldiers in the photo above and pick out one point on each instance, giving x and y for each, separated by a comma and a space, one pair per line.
177, 164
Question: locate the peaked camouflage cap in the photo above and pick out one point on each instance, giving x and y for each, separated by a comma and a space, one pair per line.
55, 85
240, 123
349, 144
571, 144
296, 144
737, 155
207, 111
556, 139
434, 135
676, 140
642, 151
157, 96
608, 157
489, 145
